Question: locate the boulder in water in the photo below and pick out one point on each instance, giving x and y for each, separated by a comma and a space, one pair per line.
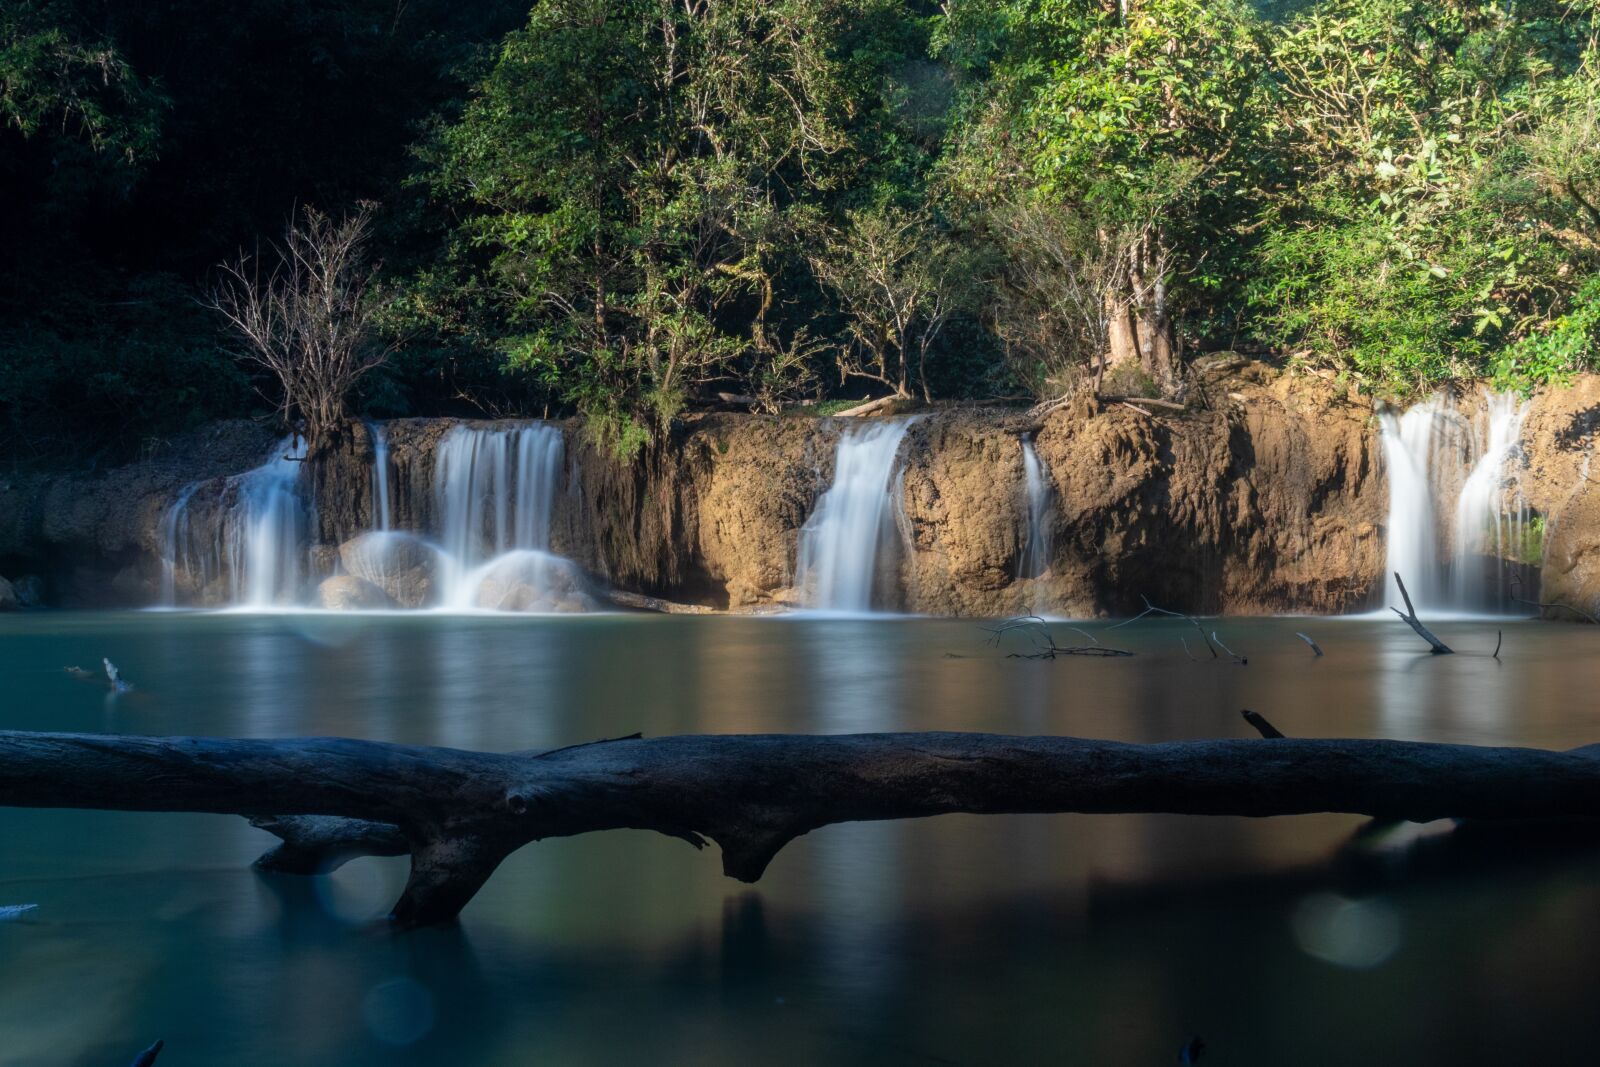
346, 592
402, 565
530, 581
8, 597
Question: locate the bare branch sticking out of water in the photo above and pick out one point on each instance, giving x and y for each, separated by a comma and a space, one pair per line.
1499, 636
1240, 660
1212, 643
1262, 726
1044, 642
1410, 617
1307, 639
1557, 605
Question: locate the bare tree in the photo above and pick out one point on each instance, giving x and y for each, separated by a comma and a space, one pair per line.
899, 280
305, 312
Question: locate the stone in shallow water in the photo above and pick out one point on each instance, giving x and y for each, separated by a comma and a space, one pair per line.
531, 581
402, 565
346, 592
8, 597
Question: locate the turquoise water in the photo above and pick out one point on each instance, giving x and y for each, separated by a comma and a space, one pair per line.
963, 939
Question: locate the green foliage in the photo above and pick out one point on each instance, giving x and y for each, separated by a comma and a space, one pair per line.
143, 364
625, 208
1564, 346
1440, 160
60, 81
625, 175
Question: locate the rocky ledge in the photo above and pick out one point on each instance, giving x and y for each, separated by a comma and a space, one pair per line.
1264, 494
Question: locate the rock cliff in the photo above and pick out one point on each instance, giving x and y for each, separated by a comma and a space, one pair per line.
1265, 495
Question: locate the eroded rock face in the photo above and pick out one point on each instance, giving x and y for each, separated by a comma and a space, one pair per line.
346, 592
1266, 495
1561, 481
8, 597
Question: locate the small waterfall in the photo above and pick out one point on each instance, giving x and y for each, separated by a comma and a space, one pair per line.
1441, 462
1035, 558
1413, 540
256, 536
174, 543
382, 510
839, 545
1489, 521
267, 530
495, 490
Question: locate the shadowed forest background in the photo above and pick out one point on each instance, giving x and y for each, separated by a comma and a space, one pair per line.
629, 208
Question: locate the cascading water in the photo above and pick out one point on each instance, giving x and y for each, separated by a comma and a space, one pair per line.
174, 543
1035, 558
1413, 540
495, 493
266, 530
257, 539
382, 510
1441, 462
1489, 520
840, 543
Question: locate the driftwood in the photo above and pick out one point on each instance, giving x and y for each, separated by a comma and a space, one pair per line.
1152, 401
459, 814
1411, 620
871, 407
1307, 639
1044, 642
1261, 725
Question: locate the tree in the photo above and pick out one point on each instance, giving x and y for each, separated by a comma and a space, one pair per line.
308, 319
624, 176
1440, 161
1139, 116
898, 280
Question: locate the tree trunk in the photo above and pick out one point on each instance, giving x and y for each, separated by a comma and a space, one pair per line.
460, 813
1122, 332
1153, 316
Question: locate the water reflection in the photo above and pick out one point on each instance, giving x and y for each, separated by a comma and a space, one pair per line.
960, 939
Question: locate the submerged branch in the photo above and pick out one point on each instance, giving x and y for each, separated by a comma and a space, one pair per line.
1411, 620
460, 813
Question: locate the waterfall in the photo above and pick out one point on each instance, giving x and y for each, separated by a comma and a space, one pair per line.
1489, 521
1413, 541
495, 493
266, 530
256, 536
174, 543
1035, 558
1441, 462
382, 511
840, 542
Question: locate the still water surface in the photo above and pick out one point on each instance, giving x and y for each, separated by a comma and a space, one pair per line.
963, 939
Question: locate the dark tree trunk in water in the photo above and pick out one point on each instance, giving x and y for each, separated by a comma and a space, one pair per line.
459, 813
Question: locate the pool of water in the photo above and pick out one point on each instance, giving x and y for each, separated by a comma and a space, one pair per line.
961, 939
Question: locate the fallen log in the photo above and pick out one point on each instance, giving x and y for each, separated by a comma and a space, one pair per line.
459, 814
871, 407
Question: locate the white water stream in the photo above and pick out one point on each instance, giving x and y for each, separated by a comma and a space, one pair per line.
1445, 462
843, 539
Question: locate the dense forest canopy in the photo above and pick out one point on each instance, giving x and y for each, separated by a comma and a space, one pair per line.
625, 208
